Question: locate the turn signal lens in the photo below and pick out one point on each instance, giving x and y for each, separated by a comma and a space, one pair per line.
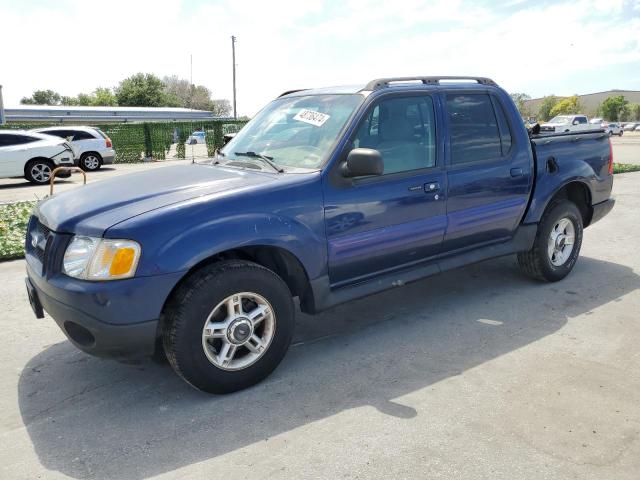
101, 259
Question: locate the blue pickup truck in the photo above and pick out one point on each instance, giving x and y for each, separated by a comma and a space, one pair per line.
327, 195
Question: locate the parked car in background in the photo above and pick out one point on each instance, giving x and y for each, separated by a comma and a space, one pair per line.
326, 195
630, 127
567, 123
93, 148
637, 128
612, 128
196, 137
597, 120
32, 155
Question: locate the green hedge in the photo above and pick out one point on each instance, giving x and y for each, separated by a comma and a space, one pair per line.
135, 141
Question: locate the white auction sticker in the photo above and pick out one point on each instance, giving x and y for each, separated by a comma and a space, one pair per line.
309, 116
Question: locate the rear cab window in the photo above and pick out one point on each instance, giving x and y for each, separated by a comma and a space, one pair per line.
479, 130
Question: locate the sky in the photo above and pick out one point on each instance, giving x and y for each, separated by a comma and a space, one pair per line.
537, 47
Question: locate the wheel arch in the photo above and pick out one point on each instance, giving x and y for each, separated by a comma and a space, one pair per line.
28, 162
577, 192
277, 259
97, 154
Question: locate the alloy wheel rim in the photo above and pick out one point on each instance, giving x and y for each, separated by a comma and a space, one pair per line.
238, 331
561, 242
41, 172
91, 162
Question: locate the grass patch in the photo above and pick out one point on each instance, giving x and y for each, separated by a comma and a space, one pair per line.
625, 168
13, 227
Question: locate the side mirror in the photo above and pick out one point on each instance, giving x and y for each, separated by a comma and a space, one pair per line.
362, 162
576, 122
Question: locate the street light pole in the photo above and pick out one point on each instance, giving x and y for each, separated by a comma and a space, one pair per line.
1, 108
233, 58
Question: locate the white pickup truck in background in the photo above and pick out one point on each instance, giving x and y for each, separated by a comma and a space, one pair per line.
568, 123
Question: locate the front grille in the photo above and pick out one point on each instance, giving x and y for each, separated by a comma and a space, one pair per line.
39, 240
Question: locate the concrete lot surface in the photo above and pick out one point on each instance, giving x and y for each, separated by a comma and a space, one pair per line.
626, 149
18, 189
478, 373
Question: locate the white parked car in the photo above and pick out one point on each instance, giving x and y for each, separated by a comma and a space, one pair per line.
612, 128
32, 155
597, 120
93, 148
630, 126
568, 123
196, 137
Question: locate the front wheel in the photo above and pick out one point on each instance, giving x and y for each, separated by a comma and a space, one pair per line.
38, 171
228, 326
557, 243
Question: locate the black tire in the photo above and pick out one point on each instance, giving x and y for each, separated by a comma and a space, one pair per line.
190, 306
536, 263
90, 161
39, 170
620, 133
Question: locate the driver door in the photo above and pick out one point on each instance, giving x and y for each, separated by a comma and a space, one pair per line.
381, 223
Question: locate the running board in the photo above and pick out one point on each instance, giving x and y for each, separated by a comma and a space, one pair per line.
325, 297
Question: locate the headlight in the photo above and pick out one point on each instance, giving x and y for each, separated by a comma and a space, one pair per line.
101, 258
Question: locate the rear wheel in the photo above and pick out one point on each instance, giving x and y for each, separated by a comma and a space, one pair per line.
228, 326
557, 243
90, 162
39, 170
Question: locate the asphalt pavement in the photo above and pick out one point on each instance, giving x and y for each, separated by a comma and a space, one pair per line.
479, 373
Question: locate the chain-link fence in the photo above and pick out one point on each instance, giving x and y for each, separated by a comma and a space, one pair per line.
136, 142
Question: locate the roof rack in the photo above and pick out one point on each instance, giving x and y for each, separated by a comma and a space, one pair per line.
384, 82
292, 91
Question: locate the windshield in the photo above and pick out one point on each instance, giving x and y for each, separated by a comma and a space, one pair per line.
297, 132
560, 119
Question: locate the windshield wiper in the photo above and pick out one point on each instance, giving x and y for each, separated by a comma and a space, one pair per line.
266, 159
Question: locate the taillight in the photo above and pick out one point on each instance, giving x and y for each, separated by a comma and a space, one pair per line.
610, 158
109, 144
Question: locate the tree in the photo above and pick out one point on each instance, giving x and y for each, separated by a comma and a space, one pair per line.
520, 99
141, 90
613, 107
221, 108
104, 97
569, 105
194, 96
544, 111
42, 97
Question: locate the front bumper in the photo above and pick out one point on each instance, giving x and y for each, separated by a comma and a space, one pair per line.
117, 319
601, 209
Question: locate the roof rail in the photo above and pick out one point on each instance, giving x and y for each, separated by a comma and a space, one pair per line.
292, 91
384, 82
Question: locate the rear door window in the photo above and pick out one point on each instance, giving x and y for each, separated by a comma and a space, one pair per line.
474, 131
82, 135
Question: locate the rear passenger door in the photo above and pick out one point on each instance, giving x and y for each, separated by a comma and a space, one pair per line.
488, 174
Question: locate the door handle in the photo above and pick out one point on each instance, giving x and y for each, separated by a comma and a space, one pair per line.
431, 187
516, 172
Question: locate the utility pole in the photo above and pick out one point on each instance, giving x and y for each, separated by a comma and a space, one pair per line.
1, 108
233, 57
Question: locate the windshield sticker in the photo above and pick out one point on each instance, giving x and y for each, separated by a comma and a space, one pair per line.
309, 116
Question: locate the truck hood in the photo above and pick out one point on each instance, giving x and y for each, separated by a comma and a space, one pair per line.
93, 208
